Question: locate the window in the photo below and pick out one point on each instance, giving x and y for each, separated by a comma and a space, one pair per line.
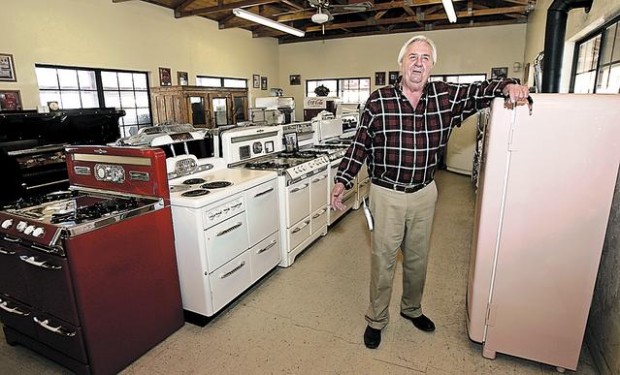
350, 90
221, 82
597, 61
77, 88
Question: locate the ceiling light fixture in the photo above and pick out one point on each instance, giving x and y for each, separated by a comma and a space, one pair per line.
449, 8
267, 22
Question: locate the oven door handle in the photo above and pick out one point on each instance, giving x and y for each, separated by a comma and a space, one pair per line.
319, 214
5, 251
295, 190
43, 264
319, 179
225, 231
305, 224
225, 275
4, 305
58, 330
263, 192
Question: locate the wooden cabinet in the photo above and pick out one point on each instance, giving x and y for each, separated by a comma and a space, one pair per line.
199, 106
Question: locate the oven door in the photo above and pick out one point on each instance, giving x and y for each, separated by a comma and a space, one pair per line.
319, 190
261, 206
298, 202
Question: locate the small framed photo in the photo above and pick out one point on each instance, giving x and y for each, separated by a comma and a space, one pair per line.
393, 77
295, 79
499, 73
182, 78
10, 100
165, 77
263, 83
256, 81
380, 79
7, 68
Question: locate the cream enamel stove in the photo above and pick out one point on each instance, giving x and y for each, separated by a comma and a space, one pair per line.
226, 238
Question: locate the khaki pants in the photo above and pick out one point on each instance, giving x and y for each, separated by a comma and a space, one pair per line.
402, 221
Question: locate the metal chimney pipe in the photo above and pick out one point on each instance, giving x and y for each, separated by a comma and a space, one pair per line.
555, 31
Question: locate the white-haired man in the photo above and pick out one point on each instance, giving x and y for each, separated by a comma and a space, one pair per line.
401, 131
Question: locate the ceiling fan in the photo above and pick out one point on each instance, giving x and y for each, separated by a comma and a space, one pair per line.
323, 8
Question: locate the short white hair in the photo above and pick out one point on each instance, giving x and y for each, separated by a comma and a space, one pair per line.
417, 38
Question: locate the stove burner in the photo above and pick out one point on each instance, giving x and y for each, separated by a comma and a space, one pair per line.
269, 164
194, 181
36, 200
216, 184
195, 193
95, 211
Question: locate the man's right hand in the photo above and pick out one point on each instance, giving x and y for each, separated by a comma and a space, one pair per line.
336, 197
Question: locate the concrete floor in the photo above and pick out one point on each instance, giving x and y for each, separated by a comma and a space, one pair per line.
309, 318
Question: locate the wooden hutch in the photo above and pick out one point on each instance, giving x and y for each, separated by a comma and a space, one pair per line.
203, 107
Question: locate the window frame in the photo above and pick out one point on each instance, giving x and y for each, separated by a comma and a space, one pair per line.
599, 32
222, 82
100, 90
339, 87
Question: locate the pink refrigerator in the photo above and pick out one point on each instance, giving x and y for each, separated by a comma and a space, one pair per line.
545, 189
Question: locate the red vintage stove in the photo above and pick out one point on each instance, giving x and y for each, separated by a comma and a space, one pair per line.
88, 277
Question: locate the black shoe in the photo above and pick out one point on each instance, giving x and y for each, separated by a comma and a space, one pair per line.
372, 337
421, 322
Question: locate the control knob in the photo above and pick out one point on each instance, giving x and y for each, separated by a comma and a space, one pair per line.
29, 229
38, 232
7, 223
21, 226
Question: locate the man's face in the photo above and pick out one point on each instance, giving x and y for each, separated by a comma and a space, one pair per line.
416, 65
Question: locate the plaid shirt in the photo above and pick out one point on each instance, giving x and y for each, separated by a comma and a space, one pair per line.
399, 143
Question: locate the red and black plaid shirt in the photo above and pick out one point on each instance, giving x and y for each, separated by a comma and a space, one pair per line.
400, 144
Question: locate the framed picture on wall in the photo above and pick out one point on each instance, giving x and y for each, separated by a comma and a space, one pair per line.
7, 68
379, 78
263, 83
182, 78
295, 79
10, 100
256, 81
393, 77
499, 73
165, 77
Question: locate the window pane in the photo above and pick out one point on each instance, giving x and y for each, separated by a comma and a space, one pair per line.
90, 99
584, 83
616, 54
49, 96
606, 48
130, 117
581, 61
70, 99
46, 78
68, 79
108, 79
144, 116
125, 81
87, 80
609, 80
232, 82
209, 81
128, 100
139, 81
111, 99
142, 99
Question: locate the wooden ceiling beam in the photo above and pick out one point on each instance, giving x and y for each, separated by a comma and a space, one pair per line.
222, 7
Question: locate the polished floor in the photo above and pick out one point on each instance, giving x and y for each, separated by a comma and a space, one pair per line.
309, 318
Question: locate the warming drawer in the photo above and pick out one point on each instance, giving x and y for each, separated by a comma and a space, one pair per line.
225, 241
299, 233
265, 256
319, 219
230, 280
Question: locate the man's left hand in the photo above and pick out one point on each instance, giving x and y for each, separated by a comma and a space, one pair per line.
516, 93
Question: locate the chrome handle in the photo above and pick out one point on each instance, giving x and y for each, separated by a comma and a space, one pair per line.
43, 264
319, 214
11, 239
229, 229
233, 270
59, 330
4, 305
263, 192
6, 252
299, 188
272, 244
305, 224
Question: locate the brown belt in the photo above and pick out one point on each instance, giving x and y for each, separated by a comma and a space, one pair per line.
401, 188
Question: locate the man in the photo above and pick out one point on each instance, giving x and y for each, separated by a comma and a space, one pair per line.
401, 131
